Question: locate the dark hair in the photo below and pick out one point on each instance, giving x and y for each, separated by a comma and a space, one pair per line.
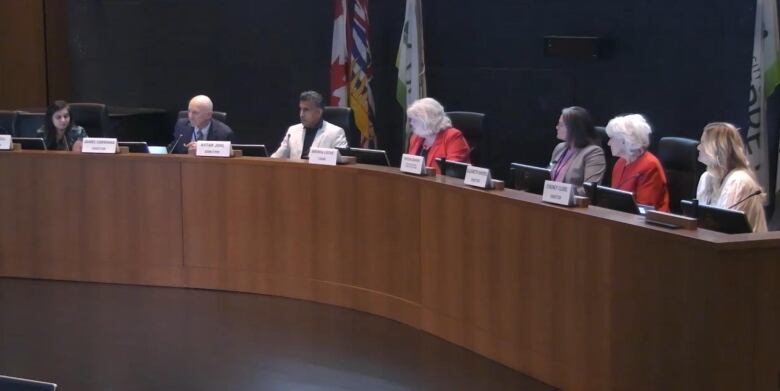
51, 130
579, 127
313, 97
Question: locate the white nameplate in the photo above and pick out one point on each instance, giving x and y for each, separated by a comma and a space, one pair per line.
324, 156
412, 164
213, 148
558, 193
478, 177
5, 142
98, 145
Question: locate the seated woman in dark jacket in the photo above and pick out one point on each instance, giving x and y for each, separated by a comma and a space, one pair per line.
58, 131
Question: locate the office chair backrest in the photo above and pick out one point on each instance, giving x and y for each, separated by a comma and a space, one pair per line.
679, 157
7, 119
343, 118
27, 124
472, 125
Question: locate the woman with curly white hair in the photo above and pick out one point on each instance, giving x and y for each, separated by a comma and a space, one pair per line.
637, 170
729, 182
433, 135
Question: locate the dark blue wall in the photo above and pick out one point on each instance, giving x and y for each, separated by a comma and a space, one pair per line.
681, 63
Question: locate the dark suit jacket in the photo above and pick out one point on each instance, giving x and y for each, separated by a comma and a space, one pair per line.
219, 132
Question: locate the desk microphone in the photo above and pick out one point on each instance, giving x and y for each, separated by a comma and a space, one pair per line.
753, 194
176, 143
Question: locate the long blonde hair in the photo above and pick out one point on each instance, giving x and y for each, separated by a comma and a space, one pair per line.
723, 145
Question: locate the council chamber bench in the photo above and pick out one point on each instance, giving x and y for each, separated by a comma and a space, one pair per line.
580, 298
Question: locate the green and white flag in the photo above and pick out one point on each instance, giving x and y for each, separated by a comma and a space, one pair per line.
411, 60
765, 76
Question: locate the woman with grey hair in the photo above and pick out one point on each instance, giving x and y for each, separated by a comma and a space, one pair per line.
637, 170
433, 135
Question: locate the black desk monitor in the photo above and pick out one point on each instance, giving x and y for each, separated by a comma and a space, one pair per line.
35, 143
135, 146
452, 168
9, 383
257, 150
724, 220
607, 197
528, 178
377, 157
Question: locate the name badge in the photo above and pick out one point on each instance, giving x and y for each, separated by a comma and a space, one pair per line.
213, 148
412, 164
558, 193
324, 156
478, 177
5, 142
98, 145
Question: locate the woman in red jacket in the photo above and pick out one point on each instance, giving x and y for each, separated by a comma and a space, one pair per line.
637, 170
433, 135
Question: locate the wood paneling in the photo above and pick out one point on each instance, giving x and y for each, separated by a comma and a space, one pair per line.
22, 54
583, 299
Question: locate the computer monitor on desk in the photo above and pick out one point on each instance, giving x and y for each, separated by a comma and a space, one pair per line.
256, 150
724, 220
377, 157
452, 168
135, 146
34, 143
528, 178
607, 197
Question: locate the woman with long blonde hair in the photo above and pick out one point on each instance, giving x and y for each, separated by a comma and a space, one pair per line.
729, 182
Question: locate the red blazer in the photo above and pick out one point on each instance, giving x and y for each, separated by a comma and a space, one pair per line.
449, 144
645, 178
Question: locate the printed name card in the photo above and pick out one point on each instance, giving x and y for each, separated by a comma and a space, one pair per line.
5, 142
213, 148
324, 156
412, 164
478, 177
98, 145
558, 193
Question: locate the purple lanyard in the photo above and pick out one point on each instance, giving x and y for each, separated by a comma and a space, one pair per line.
561, 163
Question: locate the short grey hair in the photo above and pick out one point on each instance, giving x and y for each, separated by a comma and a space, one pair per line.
431, 113
313, 97
634, 129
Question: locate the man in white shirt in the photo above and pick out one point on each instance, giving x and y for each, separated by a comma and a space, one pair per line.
313, 131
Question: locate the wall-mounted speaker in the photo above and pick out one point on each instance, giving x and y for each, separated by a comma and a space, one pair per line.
574, 47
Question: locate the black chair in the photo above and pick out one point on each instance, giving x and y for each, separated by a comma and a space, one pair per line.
603, 140
7, 119
679, 158
93, 117
472, 125
8, 383
343, 118
220, 115
27, 124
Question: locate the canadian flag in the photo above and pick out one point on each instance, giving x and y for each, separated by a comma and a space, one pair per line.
339, 57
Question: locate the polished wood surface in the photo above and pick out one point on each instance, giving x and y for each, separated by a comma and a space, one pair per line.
580, 298
22, 54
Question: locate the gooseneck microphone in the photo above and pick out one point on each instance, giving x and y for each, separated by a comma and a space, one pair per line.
176, 143
753, 194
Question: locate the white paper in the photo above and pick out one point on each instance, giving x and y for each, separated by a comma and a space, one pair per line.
5, 142
98, 145
558, 193
412, 164
478, 177
324, 156
213, 148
